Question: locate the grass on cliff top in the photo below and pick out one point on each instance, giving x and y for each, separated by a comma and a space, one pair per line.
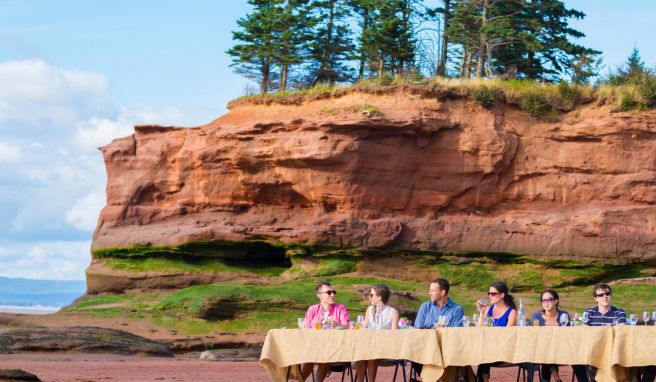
535, 98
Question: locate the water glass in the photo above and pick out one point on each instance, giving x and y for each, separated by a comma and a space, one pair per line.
301, 322
645, 317
616, 321
536, 322
465, 321
360, 320
633, 319
564, 319
475, 319
585, 317
653, 317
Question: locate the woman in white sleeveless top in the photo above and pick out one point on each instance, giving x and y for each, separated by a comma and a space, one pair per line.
379, 315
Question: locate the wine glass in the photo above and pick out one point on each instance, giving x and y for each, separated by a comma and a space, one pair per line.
465, 321
301, 322
633, 319
585, 317
653, 317
645, 317
563, 319
475, 318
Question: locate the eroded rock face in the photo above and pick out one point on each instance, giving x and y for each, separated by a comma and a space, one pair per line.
439, 175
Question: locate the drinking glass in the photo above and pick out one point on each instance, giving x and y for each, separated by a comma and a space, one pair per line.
645, 317
633, 319
536, 322
475, 319
301, 322
317, 325
616, 321
585, 317
465, 321
653, 317
360, 321
564, 319
443, 321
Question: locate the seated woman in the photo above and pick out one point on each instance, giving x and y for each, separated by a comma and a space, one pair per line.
502, 311
549, 316
379, 315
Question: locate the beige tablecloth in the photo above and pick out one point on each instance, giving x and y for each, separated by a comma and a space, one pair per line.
547, 344
634, 346
286, 347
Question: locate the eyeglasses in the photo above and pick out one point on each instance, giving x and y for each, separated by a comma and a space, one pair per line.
548, 299
493, 293
604, 294
330, 292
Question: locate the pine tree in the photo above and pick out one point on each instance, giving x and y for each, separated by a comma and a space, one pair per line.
366, 12
293, 31
391, 41
331, 48
254, 57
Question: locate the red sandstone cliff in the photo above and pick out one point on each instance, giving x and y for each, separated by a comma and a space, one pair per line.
441, 175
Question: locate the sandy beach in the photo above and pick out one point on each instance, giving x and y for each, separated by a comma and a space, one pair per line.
72, 367
40, 310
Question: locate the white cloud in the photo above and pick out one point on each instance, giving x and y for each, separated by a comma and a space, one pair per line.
36, 94
9, 153
52, 260
84, 213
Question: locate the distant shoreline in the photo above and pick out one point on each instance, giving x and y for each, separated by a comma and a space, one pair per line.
28, 309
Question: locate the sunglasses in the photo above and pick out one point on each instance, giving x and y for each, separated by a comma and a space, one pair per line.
493, 293
604, 294
330, 292
548, 299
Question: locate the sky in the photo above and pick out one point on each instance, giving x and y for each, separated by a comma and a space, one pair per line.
75, 74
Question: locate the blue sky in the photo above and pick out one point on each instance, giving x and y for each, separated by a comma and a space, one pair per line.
76, 74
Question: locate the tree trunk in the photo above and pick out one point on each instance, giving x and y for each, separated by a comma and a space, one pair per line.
363, 58
265, 71
482, 41
323, 66
441, 67
468, 63
283, 77
381, 66
529, 63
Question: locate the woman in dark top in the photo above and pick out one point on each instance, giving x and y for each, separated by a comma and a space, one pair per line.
549, 316
502, 311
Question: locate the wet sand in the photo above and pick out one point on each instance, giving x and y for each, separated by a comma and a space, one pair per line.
71, 367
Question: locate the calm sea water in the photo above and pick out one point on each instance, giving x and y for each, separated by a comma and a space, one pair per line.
37, 296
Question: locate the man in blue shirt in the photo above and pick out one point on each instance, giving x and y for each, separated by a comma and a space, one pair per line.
601, 315
439, 305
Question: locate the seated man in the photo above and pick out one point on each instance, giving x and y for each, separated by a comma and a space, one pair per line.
326, 311
439, 305
604, 314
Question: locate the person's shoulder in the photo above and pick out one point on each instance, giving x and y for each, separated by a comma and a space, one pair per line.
313, 307
591, 309
425, 305
618, 310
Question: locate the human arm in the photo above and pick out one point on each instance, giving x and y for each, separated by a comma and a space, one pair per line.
621, 317
308, 318
366, 317
421, 317
343, 317
456, 317
512, 318
395, 318
482, 315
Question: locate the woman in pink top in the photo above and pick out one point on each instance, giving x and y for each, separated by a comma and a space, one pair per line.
325, 311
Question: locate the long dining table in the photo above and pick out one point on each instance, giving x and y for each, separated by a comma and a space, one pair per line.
611, 350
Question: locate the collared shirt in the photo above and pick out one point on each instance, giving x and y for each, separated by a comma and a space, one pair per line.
337, 312
595, 318
429, 311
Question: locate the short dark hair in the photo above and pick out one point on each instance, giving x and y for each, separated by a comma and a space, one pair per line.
320, 284
383, 291
443, 283
601, 286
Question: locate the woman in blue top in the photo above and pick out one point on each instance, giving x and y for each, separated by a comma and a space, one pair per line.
502, 311
549, 316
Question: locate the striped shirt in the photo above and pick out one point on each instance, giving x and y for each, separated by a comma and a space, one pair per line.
595, 318
429, 311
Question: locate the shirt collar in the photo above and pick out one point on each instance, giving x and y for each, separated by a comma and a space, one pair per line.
446, 305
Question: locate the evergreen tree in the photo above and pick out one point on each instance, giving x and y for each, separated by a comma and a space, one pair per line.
391, 42
254, 57
366, 12
293, 31
331, 47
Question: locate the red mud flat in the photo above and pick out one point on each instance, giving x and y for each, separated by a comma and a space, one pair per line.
70, 367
